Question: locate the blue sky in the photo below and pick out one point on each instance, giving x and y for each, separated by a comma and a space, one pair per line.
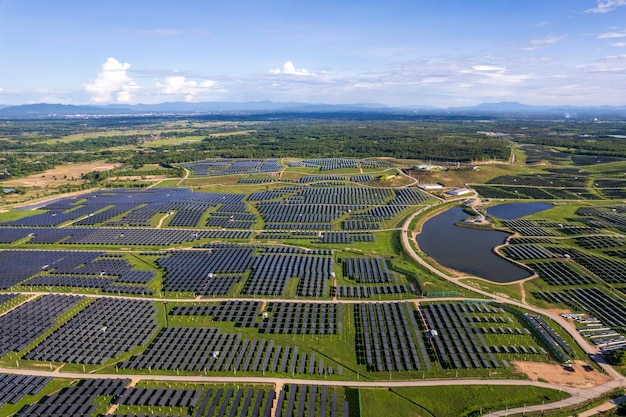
399, 53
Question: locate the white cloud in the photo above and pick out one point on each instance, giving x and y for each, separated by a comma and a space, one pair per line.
501, 78
290, 68
619, 44
112, 81
179, 85
605, 6
485, 68
612, 35
613, 63
539, 43
490, 74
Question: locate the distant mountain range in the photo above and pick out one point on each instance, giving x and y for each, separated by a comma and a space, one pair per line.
502, 109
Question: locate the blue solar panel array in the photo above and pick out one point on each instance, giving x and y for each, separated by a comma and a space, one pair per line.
302, 400
15, 387
18, 265
5, 298
25, 323
79, 400
12, 235
458, 343
204, 349
362, 178
213, 167
202, 271
302, 318
272, 272
386, 335
112, 236
140, 206
242, 313
368, 270
317, 178
88, 269
327, 164
104, 329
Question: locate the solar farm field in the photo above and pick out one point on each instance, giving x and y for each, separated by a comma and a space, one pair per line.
119, 397
579, 268
291, 273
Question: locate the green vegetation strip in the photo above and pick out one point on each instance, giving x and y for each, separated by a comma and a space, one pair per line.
452, 401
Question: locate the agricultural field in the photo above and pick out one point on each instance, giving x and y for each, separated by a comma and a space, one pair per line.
185, 281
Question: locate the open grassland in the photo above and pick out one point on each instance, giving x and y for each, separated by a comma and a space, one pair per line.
520, 156
236, 132
174, 141
180, 140
452, 401
511, 291
91, 135
162, 129
9, 215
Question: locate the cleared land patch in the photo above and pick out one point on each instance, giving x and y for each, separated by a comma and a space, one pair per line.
557, 374
64, 174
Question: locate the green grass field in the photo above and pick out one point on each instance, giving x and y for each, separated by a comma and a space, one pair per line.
452, 401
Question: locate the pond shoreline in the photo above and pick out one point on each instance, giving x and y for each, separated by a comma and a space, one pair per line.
466, 248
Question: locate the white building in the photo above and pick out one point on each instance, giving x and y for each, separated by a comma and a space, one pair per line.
429, 167
459, 191
430, 187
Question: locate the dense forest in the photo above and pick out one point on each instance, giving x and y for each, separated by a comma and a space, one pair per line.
30, 146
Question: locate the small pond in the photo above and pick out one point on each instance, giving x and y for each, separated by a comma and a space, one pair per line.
512, 211
467, 250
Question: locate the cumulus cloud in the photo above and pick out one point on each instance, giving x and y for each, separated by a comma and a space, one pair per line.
290, 68
605, 6
179, 85
112, 81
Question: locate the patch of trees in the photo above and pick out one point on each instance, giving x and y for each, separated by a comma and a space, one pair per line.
15, 166
618, 357
307, 139
357, 135
139, 170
